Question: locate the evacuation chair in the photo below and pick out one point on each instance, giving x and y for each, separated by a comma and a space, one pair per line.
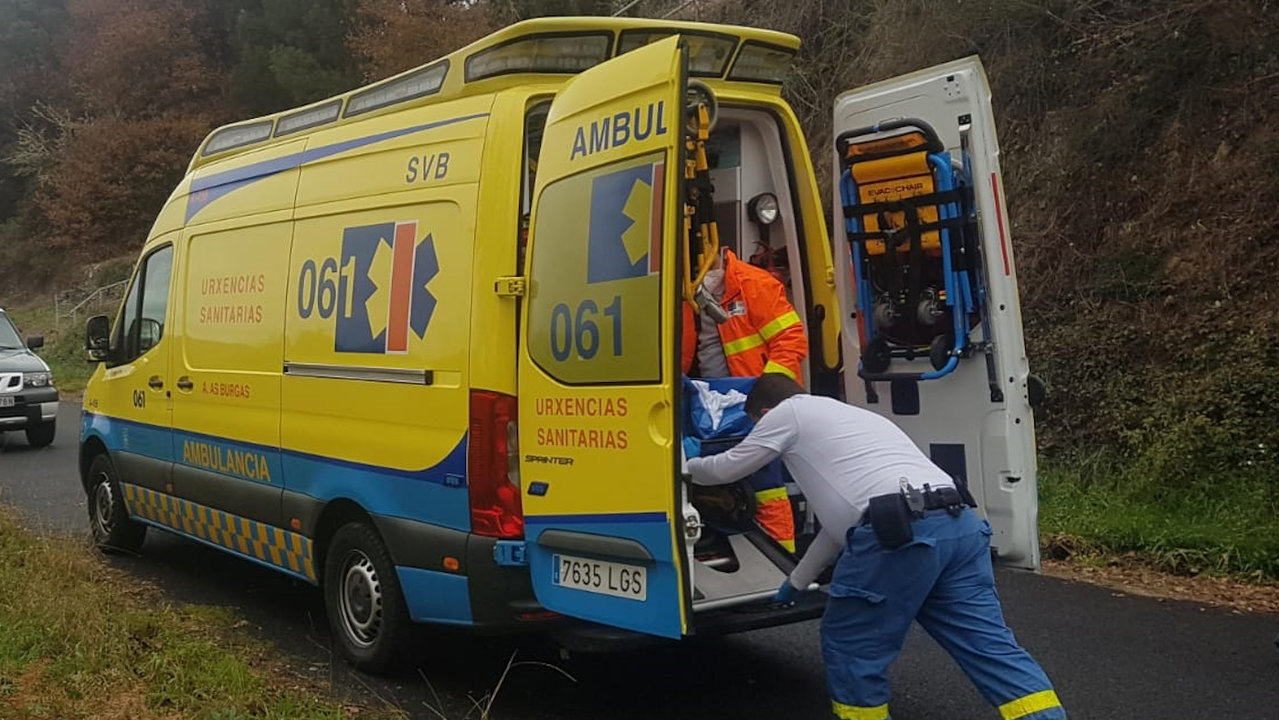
910, 224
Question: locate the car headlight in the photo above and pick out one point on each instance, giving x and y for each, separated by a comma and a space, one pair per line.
37, 379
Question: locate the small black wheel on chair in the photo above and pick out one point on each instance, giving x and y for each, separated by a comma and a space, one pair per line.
939, 351
876, 356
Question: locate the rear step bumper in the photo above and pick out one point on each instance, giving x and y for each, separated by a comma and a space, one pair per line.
592, 638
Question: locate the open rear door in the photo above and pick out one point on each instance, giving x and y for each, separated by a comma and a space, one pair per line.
597, 374
933, 338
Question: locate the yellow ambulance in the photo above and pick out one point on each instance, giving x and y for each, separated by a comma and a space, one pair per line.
418, 343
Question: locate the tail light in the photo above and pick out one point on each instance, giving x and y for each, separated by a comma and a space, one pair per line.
493, 466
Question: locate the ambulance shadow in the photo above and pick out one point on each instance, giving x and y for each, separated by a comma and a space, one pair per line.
448, 671
717, 678
282, 611
441, 666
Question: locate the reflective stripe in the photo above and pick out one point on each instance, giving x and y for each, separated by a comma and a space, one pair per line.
778, 324
772, 367
1030, 704
741, 345
771, 494
852, 712
272, 545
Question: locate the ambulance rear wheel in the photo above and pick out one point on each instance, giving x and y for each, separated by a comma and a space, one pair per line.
363, 600
113, 531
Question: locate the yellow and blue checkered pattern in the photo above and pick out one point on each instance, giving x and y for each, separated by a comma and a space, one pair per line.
274, 546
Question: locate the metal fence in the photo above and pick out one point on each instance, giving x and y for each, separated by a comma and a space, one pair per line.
63, 310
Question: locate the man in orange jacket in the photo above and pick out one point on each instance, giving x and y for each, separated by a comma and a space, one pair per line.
763, 333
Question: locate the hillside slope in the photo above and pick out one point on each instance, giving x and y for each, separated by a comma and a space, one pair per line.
1141, 160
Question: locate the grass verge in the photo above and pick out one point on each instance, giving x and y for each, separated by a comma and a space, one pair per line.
79, 639
1095, 511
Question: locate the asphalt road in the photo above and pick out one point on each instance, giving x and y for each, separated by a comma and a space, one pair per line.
1110, 655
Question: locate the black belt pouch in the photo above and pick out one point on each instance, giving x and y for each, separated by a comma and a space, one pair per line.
890, 519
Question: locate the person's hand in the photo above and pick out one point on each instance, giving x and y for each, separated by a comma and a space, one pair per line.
692, 447
786, 594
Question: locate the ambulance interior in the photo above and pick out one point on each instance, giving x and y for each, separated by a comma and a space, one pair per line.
733, 561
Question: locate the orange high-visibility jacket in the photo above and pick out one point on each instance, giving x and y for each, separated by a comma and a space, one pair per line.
763, 332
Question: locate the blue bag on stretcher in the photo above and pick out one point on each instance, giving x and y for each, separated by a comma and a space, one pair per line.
715, 414
716, 408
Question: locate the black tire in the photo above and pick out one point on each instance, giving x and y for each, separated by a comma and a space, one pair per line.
362, 599
113, 531
42, 434
876, 356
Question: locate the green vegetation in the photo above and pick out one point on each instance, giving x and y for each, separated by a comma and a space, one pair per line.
1139, 158
1093, 509
79, 639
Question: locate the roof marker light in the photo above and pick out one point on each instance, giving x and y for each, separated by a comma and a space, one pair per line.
708, 53
541, 54
758, 62
237, 136
309, 118
419, 83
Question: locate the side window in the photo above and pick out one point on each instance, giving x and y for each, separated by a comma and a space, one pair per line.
143, 316
534, 126
595, 274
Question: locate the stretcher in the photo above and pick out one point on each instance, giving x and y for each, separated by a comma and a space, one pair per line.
736, 557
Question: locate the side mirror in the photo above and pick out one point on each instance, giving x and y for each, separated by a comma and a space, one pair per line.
35, 342
97, 338
1035, 390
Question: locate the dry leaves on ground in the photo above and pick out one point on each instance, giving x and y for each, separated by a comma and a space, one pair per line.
1237, 595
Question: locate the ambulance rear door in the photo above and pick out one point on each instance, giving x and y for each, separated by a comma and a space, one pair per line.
597, 376
968, 408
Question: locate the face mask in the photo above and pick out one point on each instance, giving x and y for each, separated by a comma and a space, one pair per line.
714, 281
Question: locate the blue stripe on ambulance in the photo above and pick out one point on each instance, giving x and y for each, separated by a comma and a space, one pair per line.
434, 596
205, 190
655, 615
123, 435
435, 495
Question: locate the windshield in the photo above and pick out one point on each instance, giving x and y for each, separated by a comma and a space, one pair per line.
9, 339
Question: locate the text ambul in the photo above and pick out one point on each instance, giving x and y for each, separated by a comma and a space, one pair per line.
614, 131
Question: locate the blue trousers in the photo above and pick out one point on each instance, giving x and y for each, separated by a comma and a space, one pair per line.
943, 579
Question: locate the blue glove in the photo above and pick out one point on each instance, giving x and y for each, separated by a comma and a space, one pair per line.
786, 594
692, 447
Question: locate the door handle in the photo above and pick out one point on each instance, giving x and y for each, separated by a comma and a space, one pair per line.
185, 384
155, 383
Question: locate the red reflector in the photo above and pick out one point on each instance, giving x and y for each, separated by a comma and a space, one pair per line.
496, 510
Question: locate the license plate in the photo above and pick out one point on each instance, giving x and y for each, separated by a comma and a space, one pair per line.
6, 401
598, 576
